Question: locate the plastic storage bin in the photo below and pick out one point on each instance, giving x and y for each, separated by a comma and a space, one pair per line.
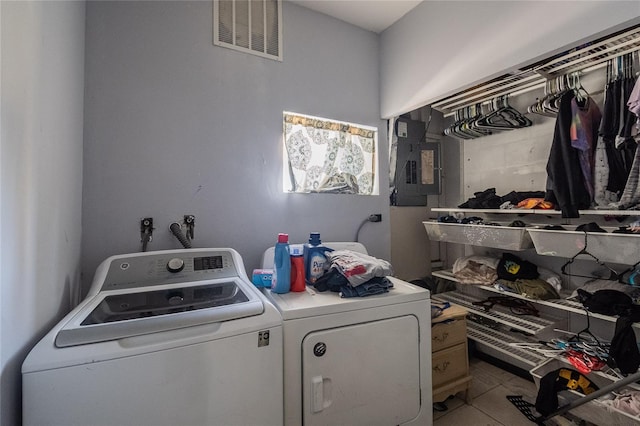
595, 411
607, 247
503, 237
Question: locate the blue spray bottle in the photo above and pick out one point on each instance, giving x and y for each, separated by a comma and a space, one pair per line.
281, 278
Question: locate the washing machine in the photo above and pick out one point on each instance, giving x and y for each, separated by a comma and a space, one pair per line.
356, 361
178, 337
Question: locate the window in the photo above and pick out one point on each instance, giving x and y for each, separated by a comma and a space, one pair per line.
327, 156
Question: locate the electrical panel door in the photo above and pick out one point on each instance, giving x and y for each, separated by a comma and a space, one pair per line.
418, 170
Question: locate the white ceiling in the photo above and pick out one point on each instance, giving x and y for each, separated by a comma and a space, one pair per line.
372, 15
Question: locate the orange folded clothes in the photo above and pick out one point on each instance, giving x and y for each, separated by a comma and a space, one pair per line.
535, 203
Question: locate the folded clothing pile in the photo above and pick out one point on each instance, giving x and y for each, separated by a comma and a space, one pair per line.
354, 274
488, 199
475, 220
509, 273
475, 270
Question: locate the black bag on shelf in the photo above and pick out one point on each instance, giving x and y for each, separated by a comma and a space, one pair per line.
606, 301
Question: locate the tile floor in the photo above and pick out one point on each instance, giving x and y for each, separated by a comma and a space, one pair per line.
490, 407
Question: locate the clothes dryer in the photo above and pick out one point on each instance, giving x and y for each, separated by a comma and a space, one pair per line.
177, 337
356, 360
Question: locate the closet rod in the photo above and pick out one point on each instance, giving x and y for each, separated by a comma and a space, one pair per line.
486, 97
482, 91
632, 35
582, 58
632, 49
486, 101
539, 85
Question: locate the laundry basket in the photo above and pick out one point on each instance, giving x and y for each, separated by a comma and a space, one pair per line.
504, 237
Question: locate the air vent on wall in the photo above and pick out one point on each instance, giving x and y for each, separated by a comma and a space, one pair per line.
250, 26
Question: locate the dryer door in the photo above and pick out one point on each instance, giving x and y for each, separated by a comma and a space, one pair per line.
362, 374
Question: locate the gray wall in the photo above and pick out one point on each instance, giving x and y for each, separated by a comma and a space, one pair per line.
175, 125
41, 174
442, 46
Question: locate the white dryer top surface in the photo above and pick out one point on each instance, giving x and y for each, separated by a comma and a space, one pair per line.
313, 303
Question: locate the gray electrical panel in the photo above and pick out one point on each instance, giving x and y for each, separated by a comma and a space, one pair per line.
418, 169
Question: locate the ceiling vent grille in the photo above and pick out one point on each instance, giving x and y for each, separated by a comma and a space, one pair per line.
250, 26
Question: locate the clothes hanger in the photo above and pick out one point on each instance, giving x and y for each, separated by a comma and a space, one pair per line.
464, 127
575, 338
630, 271
552, 104
457, 128
505, 117
451, 130
619, 74
539, 106
629, 68
613, 275
470, 124
587, 331
579, 91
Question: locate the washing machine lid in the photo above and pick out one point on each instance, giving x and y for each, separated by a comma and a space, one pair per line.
124, 313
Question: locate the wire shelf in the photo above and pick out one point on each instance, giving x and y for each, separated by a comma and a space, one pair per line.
500, 341
527, 323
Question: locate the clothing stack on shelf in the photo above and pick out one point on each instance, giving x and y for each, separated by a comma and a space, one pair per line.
475, 220
510, 274
489, 199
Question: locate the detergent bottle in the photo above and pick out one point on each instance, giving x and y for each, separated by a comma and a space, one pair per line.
297, 267
281, 278
314, 258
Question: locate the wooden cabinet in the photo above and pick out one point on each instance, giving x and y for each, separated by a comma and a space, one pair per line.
450, 359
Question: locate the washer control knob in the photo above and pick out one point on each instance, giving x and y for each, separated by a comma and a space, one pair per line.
175, 298
175, 265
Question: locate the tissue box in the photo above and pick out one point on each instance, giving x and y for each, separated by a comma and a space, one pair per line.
262, 277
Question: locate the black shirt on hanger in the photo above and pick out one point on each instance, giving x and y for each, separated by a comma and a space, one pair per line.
565, 184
